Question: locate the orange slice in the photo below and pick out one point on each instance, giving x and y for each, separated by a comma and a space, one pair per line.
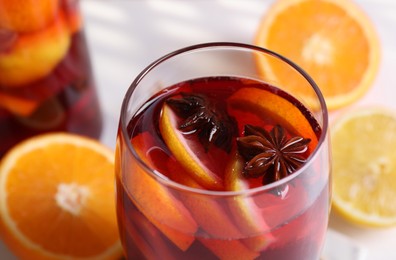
57, 199
262, 102
333, 40
34, 55
190, 155
244, 210
219, 224
156, 202
148, 240
212, 217
27, 15
229, 249
18, 106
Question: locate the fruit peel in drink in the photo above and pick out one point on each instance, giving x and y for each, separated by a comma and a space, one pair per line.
243, 209
186, 152
229, 249
261, 102
27, 15
17, 105
35, 54
156, 202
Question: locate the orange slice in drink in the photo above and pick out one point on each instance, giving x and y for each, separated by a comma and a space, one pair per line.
155, 200
219, 224
188, 153
27, 15
229, 249
34, 55
57, 199
16, 105
243, 208
334, 41
262, 103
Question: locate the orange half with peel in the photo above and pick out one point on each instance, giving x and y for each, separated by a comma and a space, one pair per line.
57, 199
334, 41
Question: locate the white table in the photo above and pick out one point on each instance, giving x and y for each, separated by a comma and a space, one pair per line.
126, 35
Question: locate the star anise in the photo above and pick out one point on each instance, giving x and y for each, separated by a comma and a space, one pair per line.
271, 155
201, 116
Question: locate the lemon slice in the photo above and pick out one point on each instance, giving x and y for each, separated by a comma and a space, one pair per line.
191, 156
364, 166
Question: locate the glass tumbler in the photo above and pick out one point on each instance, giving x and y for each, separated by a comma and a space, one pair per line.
46, 82
167, 210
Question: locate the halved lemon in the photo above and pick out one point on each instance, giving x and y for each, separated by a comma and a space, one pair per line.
364, 166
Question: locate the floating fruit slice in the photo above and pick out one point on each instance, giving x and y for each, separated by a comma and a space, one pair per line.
333, 40
155, 201
27, 15
188, 153
205, 209
229, 249
57, 199
364, 166
265, 103
34, 55
136, 246
244, 210
148, 239
16, 105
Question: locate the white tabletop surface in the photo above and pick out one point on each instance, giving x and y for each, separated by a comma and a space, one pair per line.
126, 35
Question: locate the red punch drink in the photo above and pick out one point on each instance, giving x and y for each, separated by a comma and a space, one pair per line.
46, 82
220, 167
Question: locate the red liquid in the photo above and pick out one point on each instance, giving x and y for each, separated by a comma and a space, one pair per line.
295, 217
66, 98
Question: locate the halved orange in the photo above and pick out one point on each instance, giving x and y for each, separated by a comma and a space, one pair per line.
333, 40
57, 199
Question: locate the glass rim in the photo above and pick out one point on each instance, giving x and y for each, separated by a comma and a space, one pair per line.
158, 176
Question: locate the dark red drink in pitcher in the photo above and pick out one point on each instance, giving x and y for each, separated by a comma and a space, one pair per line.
46, 81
